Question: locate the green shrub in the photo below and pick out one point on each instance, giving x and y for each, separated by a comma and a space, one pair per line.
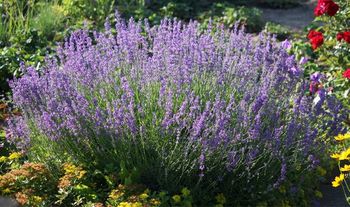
49, 20
281, 32
19, 42
229, 15
24, 48
94, 10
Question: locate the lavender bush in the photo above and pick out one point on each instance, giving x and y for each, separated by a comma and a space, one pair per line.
217, 111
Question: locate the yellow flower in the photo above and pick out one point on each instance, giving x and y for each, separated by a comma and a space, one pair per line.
37, 199
345, 168
342, 137
6, 191
136, 204
143, 196
15, 155
81, 174
337, 181
344, 155
155, 202
116, 194
3, 159
69, 168
335, 156
185, 192
176, 198
124, 204
220, 198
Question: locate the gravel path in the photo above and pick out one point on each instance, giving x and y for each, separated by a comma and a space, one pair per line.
296, 18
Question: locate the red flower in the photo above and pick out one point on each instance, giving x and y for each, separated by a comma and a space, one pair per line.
347, 36
344, 36
316, 39
318, 11
340, 36
346, 73
326, 7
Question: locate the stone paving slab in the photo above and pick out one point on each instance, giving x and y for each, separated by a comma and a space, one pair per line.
8, 202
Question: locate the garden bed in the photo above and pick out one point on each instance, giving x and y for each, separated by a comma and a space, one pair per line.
165, 112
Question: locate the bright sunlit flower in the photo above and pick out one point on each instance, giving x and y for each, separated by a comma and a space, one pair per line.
338, 180
3, 159
335, 156
15, 155
344, 155
346, 168
342, 137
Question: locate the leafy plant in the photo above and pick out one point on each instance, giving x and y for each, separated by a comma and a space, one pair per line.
94, 10
281, 32
24, 48
229, 15
49, 20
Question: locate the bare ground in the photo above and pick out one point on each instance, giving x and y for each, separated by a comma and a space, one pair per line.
296, 18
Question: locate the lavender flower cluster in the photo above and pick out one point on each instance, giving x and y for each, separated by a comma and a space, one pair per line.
216, 107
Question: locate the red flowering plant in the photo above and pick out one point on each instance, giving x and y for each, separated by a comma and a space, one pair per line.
316, 39
328, 46
328, 7
346, 73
